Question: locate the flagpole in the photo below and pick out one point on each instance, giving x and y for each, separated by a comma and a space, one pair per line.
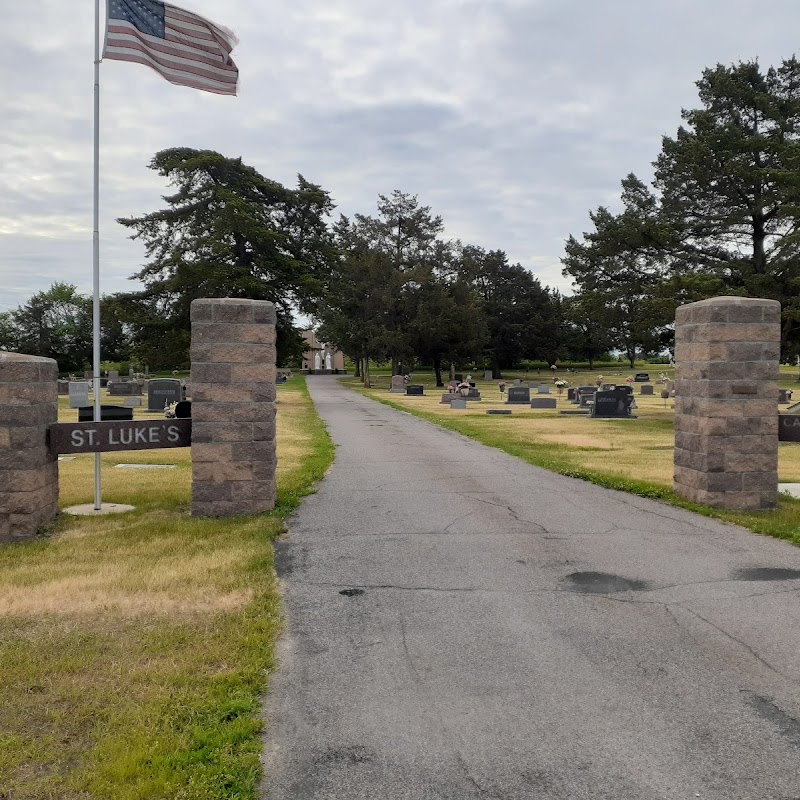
96, 251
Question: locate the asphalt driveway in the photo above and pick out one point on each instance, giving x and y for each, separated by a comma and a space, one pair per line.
461, 625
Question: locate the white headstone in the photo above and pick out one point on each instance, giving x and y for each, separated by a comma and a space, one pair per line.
78, 394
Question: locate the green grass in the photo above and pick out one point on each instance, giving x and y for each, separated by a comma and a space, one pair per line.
134, 649
639, 448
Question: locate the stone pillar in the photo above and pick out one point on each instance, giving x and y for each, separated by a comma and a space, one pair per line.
727, 351
233, 407
28, 473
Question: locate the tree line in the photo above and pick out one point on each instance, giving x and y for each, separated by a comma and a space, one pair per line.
721, 216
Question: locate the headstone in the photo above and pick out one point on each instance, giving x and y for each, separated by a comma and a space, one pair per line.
614, 404
113, 375
63, 387
543, 390
487, 375
124, 389
163, 391
499, 411
473, 394
130, 373
518, 395
516, 382
789, 427
646, 390
132, 402
398, 385
543, 402
642, 377
458, 377
458, 403
572, 394
784, 395
447, 398
586, 396
414, 390
107, 413
78, 394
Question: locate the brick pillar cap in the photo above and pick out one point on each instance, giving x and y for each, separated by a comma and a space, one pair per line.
22, 358
732, 300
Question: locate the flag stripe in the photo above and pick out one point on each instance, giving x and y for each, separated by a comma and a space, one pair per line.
127, 33
173, 12
192, 51
178, 77
186, 62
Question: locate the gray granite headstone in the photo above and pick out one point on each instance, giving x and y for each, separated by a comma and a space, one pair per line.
163, 391
398, 385
543, 402
487, 375
78, 394
646, 389
543, 390
132, 402
458, 403
519, 395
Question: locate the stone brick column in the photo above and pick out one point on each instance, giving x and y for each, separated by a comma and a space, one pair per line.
28, 473
727, 351
233, 407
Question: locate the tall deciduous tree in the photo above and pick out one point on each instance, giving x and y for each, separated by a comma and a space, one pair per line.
56, 323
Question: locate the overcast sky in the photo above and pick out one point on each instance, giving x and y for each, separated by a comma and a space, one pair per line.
510, 118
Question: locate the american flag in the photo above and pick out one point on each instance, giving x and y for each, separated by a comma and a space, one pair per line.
183, 47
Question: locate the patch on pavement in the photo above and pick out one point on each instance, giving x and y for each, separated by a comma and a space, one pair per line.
602, 583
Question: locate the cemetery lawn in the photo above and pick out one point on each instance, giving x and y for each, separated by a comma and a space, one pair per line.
631, 455
134, 648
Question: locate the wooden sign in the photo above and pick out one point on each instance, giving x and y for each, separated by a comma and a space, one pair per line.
789, 427
105, 437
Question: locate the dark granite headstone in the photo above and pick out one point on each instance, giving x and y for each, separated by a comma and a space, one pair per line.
789, 427
784, 395
519, 395
646, 390
543, 402
615, 404
642, 377
499, 411
124, 389
415, 390
162, 392
458, 378
572, 394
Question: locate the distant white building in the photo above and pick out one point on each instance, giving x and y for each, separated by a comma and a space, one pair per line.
320, 356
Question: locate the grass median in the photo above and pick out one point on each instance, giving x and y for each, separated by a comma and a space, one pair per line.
134, 648
631, 455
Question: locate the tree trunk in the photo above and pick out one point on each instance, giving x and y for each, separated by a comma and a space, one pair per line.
452, 371
395, 365
365, 372
437, 368
496, 374
632, 357
357, 373
759, 256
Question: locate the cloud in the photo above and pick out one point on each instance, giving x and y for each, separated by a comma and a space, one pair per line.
511, 118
